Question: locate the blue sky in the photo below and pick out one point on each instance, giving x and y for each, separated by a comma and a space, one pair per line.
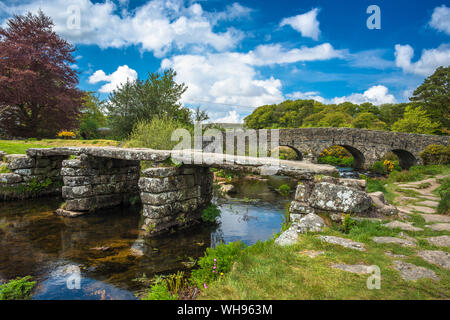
237, 55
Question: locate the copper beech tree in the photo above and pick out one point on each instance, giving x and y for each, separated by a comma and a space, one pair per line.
38, 88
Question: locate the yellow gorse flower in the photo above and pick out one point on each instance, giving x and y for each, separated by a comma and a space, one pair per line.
66, 134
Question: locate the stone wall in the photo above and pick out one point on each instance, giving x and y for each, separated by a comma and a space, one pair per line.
92, 183
173, 197
31, 177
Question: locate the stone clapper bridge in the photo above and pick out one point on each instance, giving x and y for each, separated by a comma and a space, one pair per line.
94, 178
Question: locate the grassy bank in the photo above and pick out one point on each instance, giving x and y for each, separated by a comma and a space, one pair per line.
267, 271
20, 146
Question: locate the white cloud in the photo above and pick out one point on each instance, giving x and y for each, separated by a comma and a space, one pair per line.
115, 79
276, 54
310, 95
428, 62
231, 78
231, 12
158, 25
223, 79
376, 95
232, 117
306, 24
440, 19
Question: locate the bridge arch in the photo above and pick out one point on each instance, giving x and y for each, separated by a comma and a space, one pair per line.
300, 155
358, 156
406, 158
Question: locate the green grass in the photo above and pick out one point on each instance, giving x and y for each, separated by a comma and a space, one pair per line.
21, 146
267, 271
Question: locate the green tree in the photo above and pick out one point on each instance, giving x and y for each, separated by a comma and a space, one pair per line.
368, 120
92, 116
434, 96
141, 100
335, 119
416, 120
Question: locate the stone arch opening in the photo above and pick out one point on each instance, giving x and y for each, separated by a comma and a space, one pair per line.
406, 158
289, 151
341, 155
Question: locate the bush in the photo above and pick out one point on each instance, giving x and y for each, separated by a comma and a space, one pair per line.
66, 134
335, 161
18, 289
386, 166
286, 153
160, 291
216, 262
154, 134
436, 154
284, 190
210, 213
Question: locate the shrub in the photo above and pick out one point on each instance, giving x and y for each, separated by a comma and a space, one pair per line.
343, 162
284, 190
154, 134
66, 134
160, 291
210, 213
436, 154
286, 153
17, 289
216, 262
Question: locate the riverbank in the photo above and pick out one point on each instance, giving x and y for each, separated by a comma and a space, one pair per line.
411, 251
20, 146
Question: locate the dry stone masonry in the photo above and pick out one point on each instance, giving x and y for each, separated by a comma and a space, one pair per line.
92, 183
174, 197
31, 176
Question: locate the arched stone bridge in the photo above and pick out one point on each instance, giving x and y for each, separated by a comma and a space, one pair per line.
366, 146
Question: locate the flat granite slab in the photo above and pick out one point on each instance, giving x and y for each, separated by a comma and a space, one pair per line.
440, 241
347, 243
436, 257
410, 271
262, 166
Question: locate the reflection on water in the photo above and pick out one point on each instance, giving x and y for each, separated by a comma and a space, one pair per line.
107, 249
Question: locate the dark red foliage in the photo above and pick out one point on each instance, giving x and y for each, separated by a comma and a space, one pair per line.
38, 88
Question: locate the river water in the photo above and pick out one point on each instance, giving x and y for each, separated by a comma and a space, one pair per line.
101, 248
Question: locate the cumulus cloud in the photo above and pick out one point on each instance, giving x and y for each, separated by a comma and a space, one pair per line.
231, 117
115, 79
376, 95
440, 19
156, 26
428, 62
231, 78
306, 24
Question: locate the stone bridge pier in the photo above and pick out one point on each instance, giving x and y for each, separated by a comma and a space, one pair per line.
171, 197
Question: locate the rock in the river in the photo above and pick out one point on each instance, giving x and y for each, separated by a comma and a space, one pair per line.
328, 196
227, 188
